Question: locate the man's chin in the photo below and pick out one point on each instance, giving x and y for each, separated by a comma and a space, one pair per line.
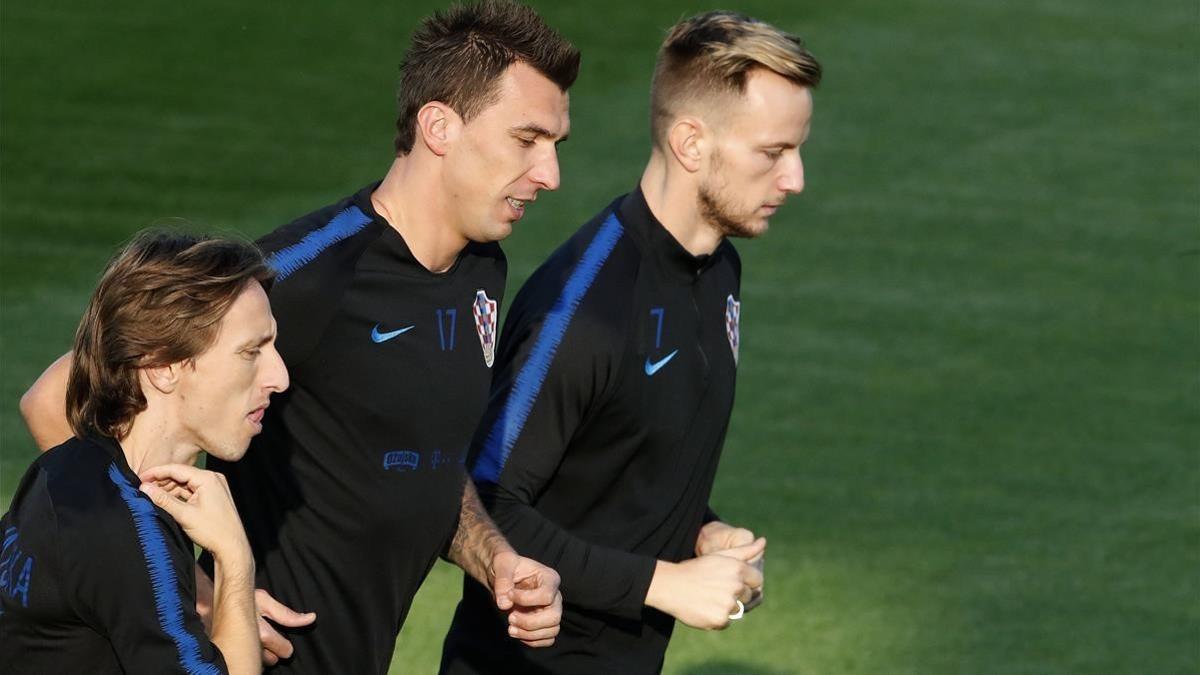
498, 232
759, 228
231, 452
747, 229
490, 231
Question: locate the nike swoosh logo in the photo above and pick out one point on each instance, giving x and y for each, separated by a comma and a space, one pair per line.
653, 367
378, 337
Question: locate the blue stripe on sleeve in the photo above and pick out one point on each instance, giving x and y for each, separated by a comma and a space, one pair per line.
528, 383
163, 581
287, 260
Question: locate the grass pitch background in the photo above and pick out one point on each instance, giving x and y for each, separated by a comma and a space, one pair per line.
967, 417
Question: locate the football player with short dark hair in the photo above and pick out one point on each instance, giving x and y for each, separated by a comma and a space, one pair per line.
387, 303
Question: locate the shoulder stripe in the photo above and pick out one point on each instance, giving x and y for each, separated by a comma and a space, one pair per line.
288, 260
162, 576
528, 383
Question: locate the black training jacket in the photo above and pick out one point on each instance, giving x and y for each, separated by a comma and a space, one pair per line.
354, 486
596, 456
94, 578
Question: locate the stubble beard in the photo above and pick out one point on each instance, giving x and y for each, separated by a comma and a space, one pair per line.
717, 211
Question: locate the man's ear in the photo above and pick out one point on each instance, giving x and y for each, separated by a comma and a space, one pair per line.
438, 126
688, 139
164, 379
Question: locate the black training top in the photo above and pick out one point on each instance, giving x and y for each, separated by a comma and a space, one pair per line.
354, 486
94, 578
596, 456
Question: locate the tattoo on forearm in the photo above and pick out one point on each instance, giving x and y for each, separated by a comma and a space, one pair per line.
477, 539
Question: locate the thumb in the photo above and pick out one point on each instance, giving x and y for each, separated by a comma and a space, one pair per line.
502, 581
747, 552
163, 500
280, 613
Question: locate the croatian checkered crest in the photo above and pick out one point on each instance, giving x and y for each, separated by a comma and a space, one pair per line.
484, 310
733, 316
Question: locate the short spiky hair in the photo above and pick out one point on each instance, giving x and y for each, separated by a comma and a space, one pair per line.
457, 57
711, 54
160, 301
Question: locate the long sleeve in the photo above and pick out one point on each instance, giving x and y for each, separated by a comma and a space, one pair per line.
559, 360
131, 576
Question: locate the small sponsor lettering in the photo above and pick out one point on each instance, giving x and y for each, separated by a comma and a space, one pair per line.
401, 460
411, 460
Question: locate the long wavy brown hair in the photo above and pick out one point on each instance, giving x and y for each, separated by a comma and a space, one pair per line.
160, 301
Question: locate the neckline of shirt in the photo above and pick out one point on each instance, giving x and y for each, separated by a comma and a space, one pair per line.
634, 212
394, 244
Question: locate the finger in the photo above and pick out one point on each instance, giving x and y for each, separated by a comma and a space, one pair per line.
536, 619
756, 599
180, 473
737, 611
748, 552
529, 578
758, 559
740, 537
163, 500
177, 490
723, 539
166, 484
533, 597
502, 584
280, 613
751, 576
536, 644
272, 641
528, 636
180, 492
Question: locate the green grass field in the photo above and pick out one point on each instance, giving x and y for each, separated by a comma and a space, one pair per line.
969, 406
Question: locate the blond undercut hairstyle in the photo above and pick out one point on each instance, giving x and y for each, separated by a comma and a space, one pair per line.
712, 54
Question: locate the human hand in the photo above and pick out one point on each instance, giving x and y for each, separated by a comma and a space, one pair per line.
528, 591
275, 645
201, 503
717, 536
703, 592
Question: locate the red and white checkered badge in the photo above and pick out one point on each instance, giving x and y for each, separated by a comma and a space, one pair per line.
733, 318
484, 310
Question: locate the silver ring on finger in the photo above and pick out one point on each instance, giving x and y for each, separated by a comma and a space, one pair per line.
738, 614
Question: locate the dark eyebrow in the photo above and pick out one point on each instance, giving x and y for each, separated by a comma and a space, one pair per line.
536, 130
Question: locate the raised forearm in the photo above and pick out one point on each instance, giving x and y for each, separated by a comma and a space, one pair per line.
477, 540
44, 407
704, 592
594, 576
234, 618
